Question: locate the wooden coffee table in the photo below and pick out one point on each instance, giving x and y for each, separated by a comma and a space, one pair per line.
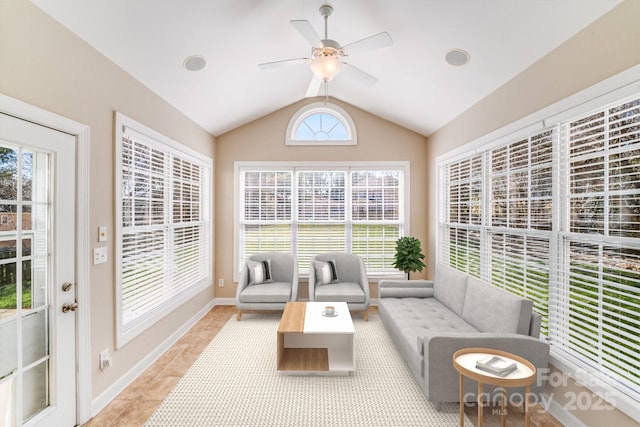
310, 343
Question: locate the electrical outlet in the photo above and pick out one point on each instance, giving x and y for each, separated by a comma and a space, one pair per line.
100, 255
220, 282
105, 359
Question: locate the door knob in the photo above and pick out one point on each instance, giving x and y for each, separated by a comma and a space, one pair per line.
69, 306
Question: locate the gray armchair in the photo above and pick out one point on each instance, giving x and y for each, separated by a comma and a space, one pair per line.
267, 282
347, 282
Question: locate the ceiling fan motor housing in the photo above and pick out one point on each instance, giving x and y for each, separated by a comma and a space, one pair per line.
329, 48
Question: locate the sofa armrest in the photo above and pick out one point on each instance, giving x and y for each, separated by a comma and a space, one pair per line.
405, 288
441, 376
535, 324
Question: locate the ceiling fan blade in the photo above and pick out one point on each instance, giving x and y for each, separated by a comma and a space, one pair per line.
376, 41
314, 87
307, 31
361, 75
276, 64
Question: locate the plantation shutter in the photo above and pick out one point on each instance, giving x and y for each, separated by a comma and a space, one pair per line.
520, 265
145, 172
601, 291
164, 246
521, 177
265, 217
562, 228
321, 214
310, 209
463, 214
189, 229
376, 211
521, 183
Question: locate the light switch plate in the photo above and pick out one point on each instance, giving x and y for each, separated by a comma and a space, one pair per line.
102, 233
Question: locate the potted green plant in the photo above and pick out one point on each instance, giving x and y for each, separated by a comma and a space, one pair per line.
408, 255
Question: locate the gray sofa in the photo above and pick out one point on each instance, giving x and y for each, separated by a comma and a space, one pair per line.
430, 320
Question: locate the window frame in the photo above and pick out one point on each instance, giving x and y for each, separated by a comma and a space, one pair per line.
174, 149
603, 96
321, 107
404, 217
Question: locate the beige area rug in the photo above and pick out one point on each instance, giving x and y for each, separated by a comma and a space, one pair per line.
234, 382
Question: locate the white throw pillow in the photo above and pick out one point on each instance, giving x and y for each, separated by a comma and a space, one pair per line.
326, 272
259, 272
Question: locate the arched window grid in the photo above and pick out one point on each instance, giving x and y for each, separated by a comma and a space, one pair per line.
321, 124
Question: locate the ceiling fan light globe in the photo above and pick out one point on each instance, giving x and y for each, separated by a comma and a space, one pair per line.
326, 67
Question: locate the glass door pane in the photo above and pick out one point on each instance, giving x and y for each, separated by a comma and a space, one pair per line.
24, 284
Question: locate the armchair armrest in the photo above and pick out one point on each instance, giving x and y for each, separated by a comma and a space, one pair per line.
405, 288
243, 281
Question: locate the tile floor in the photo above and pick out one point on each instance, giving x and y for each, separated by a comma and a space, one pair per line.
138, 401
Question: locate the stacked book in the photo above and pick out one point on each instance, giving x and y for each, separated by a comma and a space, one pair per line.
496, 365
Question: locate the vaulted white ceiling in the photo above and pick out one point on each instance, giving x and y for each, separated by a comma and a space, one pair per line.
417, 89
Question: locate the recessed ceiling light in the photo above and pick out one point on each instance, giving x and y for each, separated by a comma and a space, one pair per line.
194, 63
457, 57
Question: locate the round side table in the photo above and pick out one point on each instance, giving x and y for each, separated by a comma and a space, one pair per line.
464, 361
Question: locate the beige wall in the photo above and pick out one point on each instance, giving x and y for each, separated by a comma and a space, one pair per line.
264, 139
43, 64
607, 47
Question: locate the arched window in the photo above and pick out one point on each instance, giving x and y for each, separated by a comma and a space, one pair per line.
321, 124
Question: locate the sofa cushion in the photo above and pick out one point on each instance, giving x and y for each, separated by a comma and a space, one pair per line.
449, 287
491, 309
342, 291
415, 318
325, 272
272, 292
259, 271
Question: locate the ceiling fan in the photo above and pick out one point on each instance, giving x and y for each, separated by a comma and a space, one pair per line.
327, 55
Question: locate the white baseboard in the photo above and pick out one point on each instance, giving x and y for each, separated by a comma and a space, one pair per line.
100, 402
560, 413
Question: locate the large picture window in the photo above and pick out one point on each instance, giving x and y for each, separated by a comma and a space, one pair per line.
163, 244
554, 216
306, 209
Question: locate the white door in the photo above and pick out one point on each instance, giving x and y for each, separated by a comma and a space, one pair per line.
37, 275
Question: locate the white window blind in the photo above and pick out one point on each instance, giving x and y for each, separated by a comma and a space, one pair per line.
265, 211
307, 210
521, 183
462, 211
560, 225
601, 246
376, 213
321, 214
520, 265
163, 248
